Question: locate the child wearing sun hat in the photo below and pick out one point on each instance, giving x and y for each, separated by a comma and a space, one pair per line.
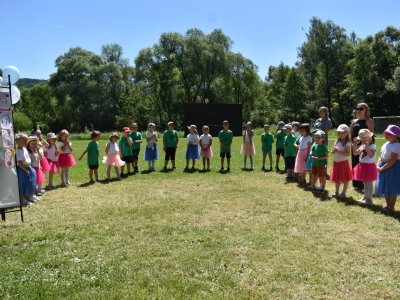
388, 182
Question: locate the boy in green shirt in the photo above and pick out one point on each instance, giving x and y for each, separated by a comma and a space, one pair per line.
136, 138
125, 150
319, 154
170, 143
225, 137
267, 139
280, 148
290, 151
93, 160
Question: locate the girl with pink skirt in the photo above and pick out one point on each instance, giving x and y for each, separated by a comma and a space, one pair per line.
248, 148
35, 156
65, 159
205, 147
304, 148
51, 154
113, 159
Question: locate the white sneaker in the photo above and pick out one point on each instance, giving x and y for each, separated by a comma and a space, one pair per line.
26, 202
41, 191
35, 198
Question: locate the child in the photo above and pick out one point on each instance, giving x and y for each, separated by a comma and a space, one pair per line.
125, 150
93, 160
205, 147
26, 174
303, 148
41, 145
388, 183
170, 143
280, 148
51, 153
267, 139
192, 150
151, 152
319, 154
295, 129
65, 159
136, 141
290, 151
36, 157
341, 171
112, 159
366, 169
225, 137
248, 146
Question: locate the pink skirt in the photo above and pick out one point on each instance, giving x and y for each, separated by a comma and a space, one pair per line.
53, 166
301, 159
365, 172
40, 178
66, 160
248, 148
113, 160
206, 153
44, 164
341, 172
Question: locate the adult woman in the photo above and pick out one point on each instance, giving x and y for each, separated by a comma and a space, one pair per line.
363, 121
323, 123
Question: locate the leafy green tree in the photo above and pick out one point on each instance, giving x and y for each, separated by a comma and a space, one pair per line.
294, 95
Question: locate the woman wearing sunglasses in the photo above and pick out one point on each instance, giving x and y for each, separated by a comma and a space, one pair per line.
362, 121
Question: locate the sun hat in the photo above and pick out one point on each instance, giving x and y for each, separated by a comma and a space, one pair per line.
170, 123
343, 128
51, 135
114, 134
287, 126
281, 123
392, 129
320, 133
192, 126
32, 137
364, 134
126, 129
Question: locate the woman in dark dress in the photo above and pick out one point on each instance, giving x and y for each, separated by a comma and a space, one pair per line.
363, 121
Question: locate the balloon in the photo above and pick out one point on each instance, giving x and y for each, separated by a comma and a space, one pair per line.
13, 72
15, 94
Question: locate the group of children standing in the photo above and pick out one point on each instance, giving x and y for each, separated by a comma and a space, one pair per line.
302, 150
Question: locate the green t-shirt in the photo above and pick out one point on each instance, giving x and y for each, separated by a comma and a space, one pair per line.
226, 137
266, 140
280, 139
170, 138
93, 153
125, 148
319, 151
289, 145
135, 136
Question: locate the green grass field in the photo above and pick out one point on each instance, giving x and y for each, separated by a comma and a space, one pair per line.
194, 235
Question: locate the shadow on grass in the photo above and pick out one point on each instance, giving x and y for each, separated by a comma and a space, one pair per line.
86, 184
107, 181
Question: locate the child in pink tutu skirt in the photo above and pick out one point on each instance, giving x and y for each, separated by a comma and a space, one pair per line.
51, 154
113, 159
41, 144
65, 159
36, 157
341, 170
366, 169
248, 148
205, 147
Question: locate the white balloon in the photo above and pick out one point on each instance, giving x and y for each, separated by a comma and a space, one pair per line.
13, 72
15, 93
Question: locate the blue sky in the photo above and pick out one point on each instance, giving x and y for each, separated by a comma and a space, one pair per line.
35, 33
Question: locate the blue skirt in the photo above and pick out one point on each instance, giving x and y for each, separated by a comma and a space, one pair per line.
308, 165
388, 182
27, 184
150, 154
192, 152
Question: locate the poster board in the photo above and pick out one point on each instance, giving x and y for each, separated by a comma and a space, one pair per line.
9, 193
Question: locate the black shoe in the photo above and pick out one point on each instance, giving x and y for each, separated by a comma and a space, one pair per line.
277, 168
270, 168
222, 169
263, 168
173, 168
228, 169
165, 169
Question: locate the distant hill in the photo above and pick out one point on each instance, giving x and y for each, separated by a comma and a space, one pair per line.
28, 82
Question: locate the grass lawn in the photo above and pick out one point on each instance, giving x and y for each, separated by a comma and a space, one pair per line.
194, 235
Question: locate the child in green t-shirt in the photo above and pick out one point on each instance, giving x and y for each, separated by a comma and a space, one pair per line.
267, 139
136, 141
93, 160
319, 154
290, 151
170, 143
125, 150
225, 137
280, 148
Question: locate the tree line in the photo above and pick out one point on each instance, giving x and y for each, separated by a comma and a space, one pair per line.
103, 91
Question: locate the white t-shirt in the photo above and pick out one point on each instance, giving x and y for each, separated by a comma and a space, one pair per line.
34, 159
149, 135
296, 134
51, 153
387, 150
339, 157
248, 136
205, 139
193, 139
23, 155
61, 144
113, 147
364, 158
304, 142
